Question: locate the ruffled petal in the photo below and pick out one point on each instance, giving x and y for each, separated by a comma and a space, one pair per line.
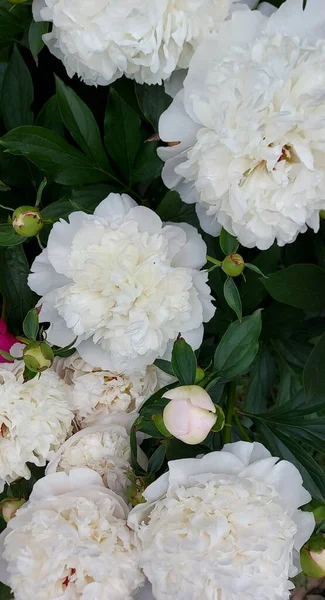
193, 253
60, 240
115, 207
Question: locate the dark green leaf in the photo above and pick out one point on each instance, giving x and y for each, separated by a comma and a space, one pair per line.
252, 291
171, 208
260, 381
156, 461
31, 324
314, 372
50, 117
8, 236
5, 592
184, 362
6, 355
153, 101
147, 165
254, 268
10, 26
122, 134
85, 199
35, 36
80, 122
17, 93
14, 270
165, 366
232, 297
53, 155
238, 347
302, 286
228, 243
220, 423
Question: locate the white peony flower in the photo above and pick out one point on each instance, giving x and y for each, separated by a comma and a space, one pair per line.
104, 448
35, 419
223, 527
145, 40
70, 542
251, 126
125, 284
97, 394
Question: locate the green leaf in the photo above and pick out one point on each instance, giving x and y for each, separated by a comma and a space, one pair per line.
31, 324
122, 134
50, 117
153, 101
80, 122
228, 243
17, 93
35, 36
232, 297
252, 291
314, 372
171, 208
14, 270
302, 286
10, 26
5, 592
238, 347
6, 355
260, 382
53, 155
156, 461
221, 419
164, 365
8, 236
147, 165
254, 268
184, 362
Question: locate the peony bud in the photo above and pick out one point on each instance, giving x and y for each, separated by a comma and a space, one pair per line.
312, 557
38, 356
6, 340
233, 265
200, 374
9, 507
27, 221
189, 416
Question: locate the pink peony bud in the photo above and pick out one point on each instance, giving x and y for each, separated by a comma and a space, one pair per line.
189, 416
6, 339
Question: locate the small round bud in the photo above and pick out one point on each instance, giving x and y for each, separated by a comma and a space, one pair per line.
233, 265
322, 214
200, 374
38, 356
27, 221
9, 507
190, 414
312, 557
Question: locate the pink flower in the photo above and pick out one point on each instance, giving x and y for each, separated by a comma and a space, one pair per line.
6, 340
190, 415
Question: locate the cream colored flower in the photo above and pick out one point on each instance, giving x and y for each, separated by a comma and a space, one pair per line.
223, 527
250, 123
35, 419
125, 284
70, 542
145, 40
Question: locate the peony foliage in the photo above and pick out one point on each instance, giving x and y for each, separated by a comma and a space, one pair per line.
162, 298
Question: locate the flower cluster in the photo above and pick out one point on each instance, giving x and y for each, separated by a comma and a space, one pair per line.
223, 526
154, 290
145, 40
73, 531
35, 420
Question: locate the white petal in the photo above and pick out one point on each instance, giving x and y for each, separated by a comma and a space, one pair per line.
266, 8
60, 240
176, 239
247, 452
114, 207
56, 484
58, 333
174, 84
305, 526
208, 223
194, 337
260, 469
176, 126
4, 575
287, 481
148, 220
193, 253
44, 278
37, 7
290, 19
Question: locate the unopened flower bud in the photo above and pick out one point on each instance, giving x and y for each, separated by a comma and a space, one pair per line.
233, 265
9, 507
190, 415
27, 221
200, 374
136, 489
312, 557
38, 356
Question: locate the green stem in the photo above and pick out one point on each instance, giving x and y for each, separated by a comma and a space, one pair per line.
231, 388
40, 192
241, 428
214, 261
